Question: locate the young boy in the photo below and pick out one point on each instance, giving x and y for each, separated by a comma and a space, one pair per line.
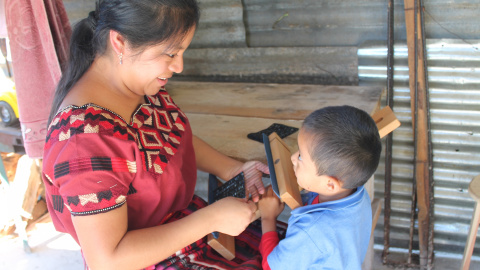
339, 150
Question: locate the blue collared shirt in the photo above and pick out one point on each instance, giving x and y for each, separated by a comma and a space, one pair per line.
328, 235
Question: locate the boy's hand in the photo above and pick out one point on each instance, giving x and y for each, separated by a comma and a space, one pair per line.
270, 205
270, 208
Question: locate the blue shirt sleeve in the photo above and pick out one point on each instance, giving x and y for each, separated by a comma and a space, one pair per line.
296, 251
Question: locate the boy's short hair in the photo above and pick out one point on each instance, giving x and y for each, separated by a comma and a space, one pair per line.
345, 144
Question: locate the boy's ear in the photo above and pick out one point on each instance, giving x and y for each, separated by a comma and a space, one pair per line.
333, 185
117, 41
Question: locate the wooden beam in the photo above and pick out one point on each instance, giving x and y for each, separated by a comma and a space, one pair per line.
272, 101
418, 95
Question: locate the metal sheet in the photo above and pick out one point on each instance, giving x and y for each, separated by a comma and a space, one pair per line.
221, 22
453, 68
307, 23
350, 23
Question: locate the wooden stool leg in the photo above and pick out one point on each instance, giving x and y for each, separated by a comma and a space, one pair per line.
472, 236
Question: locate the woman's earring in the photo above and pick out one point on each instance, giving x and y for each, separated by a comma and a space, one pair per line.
120, 56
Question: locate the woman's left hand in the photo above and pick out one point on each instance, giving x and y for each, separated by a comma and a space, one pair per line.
253, 171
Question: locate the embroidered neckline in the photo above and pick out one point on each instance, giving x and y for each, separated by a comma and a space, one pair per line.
148, 103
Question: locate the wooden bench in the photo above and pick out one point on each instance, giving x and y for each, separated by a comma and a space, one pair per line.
222, 114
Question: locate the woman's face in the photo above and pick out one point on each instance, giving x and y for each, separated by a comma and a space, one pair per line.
146, 72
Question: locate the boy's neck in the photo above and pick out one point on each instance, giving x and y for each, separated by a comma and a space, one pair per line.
337, 196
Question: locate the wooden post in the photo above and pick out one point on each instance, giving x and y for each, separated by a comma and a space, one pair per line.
419, 106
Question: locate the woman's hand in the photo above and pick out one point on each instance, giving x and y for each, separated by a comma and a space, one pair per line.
232, 215
211, 161
253, 170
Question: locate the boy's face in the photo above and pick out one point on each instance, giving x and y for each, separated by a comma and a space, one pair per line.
303, 165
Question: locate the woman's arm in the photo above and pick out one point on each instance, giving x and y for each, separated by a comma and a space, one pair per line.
106, 243
210, 160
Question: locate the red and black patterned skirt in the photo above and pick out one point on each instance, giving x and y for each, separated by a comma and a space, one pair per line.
201, 256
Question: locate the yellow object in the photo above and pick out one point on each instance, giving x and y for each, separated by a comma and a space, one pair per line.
10, 96
8, 103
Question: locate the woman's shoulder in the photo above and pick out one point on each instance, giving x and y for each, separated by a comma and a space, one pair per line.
87, 119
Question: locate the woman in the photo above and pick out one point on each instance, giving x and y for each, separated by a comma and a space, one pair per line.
120, 160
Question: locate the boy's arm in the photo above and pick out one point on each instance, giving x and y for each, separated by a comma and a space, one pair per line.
270, 208
268, 224
268, 242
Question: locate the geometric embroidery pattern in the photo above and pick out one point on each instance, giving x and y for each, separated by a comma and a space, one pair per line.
57, 202
84, 199
95, 203
78, 165
131, 190
156, 127
93, 212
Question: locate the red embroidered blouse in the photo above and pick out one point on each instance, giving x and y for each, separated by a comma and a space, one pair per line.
95, 162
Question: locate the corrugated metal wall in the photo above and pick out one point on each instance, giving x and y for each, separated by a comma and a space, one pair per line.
454, 86
221, 25
350, 23
221, 22
304, 23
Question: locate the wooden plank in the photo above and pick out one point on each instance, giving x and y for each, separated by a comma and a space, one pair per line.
418, 93
276, 101
28, 169
224, 245
286, 180
228, 134
39, 213
376, 209
474, 191
290, 65
45, 218
386, 121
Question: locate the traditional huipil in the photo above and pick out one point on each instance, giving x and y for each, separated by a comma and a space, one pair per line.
96, 161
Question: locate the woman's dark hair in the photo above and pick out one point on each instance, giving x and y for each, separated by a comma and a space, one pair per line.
344, 143
142, 23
